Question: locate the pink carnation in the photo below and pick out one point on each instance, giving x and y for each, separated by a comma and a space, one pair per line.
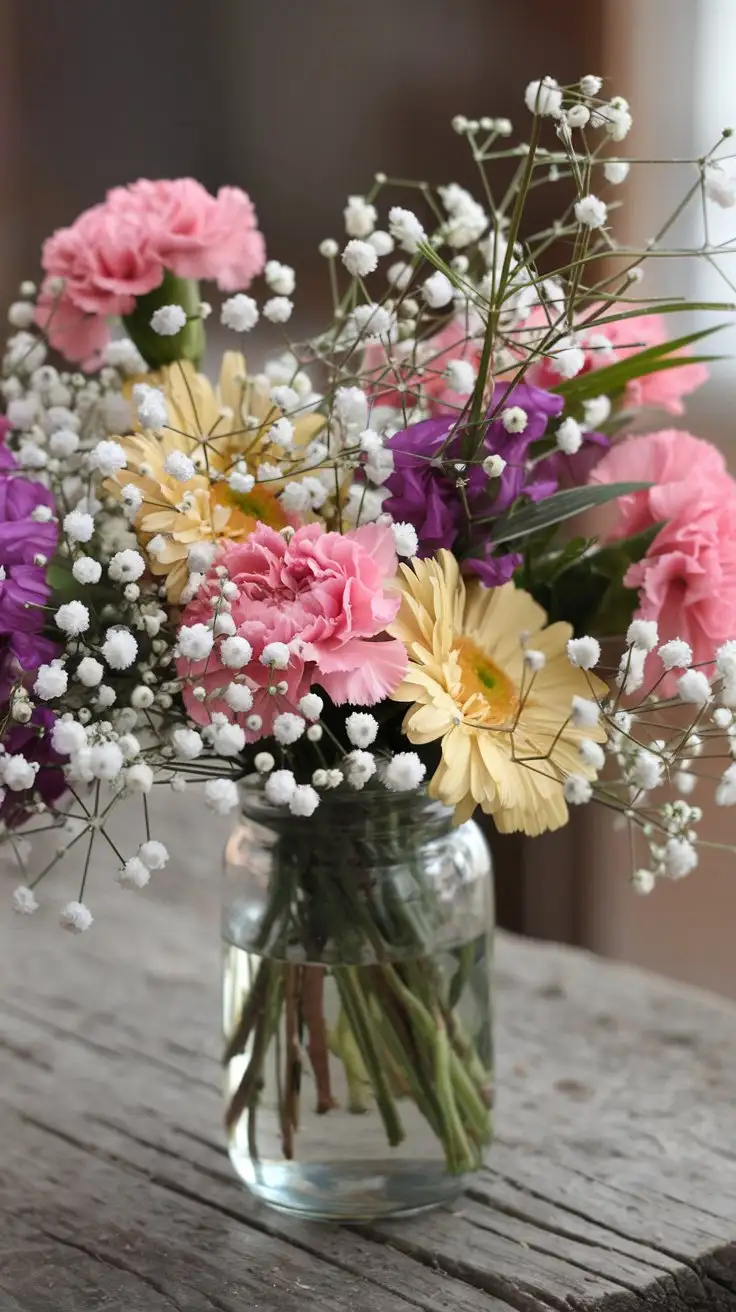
193, 234
323, 594
687, 580
120, 249
104, 260
611, 342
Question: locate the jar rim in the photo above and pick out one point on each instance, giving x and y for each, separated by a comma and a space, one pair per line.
370, 800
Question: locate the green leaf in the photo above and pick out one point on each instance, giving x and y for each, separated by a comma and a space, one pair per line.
608, 560
560, 506
62, 582
64, 586
651, 307
590, 594
556, 564
653, 359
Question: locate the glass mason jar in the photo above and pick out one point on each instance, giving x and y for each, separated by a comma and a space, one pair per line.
357, 1003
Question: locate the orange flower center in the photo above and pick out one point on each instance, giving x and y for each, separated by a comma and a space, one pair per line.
257, 505
488, 694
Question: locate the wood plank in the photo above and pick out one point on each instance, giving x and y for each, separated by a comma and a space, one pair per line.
612, 1184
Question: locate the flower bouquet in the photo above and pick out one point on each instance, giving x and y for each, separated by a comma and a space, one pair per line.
350, 593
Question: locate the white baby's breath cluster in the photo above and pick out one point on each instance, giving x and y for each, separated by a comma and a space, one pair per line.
669, 729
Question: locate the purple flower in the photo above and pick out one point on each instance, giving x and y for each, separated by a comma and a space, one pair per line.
422, 492
21, 537
24, 591
516, 479
33, 740
493, 570
23, 588
574, 471
23, 594
424, 484
20, 656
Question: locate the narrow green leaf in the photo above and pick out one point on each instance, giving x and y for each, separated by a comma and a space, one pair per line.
566, 558
624, 371
431, 256
673, 307
555, 509
653, 359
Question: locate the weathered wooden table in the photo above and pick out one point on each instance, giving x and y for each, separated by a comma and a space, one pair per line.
612, 1184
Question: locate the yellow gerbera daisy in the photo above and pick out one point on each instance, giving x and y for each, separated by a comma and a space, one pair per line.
214, 428
179, 514
507, 742
236, 416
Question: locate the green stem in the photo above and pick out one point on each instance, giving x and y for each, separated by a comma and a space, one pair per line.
343, 1044
251, 1010
481, 1076
466, 1097
476, 407
398, 1038
251, 1083
457, 1148
356, 1011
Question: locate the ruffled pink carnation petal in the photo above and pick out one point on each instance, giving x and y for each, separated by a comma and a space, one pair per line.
664, 458
79, 336
214, 677
238, 254
687, 579
194, 234
105, 259
177, 216
374, 540
376, 668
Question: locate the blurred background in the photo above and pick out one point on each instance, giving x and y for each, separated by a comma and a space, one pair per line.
300, 104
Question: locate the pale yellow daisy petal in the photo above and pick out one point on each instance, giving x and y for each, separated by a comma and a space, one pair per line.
429, 722
464, 809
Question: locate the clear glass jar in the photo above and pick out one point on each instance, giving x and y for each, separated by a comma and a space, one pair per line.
357, 1003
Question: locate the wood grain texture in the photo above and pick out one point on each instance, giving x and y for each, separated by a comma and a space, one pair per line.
612, 1184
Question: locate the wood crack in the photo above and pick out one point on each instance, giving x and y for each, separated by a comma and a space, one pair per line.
24, 1054
584, 1216
222, 1177
696, 1268
487, 1281
106, 1259
202, 1140
536, 1247
273, 1232
653, 1115
494, 1205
